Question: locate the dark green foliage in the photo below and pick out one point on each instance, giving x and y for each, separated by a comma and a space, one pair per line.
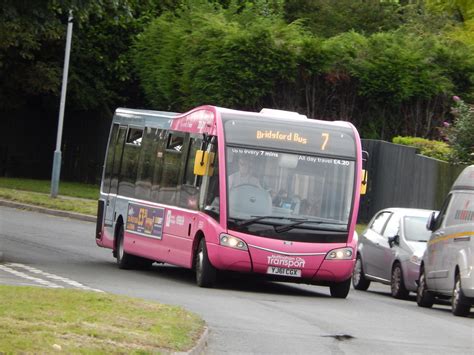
386, 83
388, 67
328, 18
32, 44
206, 54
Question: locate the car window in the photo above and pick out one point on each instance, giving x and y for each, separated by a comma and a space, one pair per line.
393, 226
415, 228
442, 213
379, 222
461, 210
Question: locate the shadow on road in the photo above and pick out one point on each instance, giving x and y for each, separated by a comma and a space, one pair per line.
229, 281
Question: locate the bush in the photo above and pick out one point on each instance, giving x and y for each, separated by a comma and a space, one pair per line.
433, 149
461, 133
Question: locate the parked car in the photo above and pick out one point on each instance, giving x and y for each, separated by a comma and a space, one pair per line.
447, 268
390, 250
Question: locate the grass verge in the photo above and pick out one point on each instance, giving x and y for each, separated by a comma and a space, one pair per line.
41, 320
88, 207
72, 189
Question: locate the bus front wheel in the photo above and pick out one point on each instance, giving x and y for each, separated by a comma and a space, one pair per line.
340, 289
205, 272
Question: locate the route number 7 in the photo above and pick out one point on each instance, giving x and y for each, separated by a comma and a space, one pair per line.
326, 139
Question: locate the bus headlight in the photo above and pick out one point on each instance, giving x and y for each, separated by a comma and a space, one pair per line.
232, 242
340, 254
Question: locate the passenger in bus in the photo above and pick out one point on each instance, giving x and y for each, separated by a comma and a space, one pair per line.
279, 199
243, 175
305, 207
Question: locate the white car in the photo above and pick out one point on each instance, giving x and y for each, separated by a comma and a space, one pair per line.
390, 250
447, 268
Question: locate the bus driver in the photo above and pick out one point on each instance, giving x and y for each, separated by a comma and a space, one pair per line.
243, 175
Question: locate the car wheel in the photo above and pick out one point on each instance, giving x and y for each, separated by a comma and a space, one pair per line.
358, 278
397, 284
124, 260
424, 298
460, 305
340, 289
205, 272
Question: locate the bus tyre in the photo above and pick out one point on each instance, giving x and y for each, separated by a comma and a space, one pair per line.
460, 304
340, 289
124, 260
397, 284
205, 272
358, 277
424, 298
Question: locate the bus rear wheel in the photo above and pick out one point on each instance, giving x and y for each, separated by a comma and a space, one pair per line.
340, 289
205, 272
124, 260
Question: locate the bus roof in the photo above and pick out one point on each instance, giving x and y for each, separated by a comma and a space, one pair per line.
262, 126
465, 180
149, 118
280, 115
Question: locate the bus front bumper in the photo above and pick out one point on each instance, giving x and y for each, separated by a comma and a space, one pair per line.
303, 268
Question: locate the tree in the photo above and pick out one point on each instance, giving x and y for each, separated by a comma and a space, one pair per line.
207, 54
328, 18
32, 49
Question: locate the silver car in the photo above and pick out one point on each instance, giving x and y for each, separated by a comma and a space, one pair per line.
390, 250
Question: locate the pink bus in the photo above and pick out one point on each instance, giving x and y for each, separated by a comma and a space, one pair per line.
271, 193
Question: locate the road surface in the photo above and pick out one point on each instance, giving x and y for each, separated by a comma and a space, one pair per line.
244, 315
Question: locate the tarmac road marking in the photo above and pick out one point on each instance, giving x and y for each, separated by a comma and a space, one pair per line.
28, 277
49, 276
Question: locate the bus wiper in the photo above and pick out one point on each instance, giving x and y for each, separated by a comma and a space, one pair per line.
287, 227
246, 222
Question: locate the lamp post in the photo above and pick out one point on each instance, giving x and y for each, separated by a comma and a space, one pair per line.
57, 153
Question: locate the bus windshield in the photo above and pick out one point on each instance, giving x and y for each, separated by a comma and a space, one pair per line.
288, 190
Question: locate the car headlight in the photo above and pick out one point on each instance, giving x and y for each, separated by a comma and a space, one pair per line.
415, 259
340, 254
232, 242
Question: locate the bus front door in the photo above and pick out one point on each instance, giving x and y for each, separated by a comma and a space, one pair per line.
112, 189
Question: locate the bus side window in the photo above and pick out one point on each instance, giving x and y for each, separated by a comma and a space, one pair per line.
128, 170
109, 160
145, 165
195, 144
172, 168
210, 186
189, 191
158, 152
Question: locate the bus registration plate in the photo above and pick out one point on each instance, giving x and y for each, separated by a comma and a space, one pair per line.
274, 270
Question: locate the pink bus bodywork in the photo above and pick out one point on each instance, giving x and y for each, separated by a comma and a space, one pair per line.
183, 228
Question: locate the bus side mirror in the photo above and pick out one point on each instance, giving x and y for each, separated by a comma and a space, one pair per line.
203, 163
430, 225
363, 184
